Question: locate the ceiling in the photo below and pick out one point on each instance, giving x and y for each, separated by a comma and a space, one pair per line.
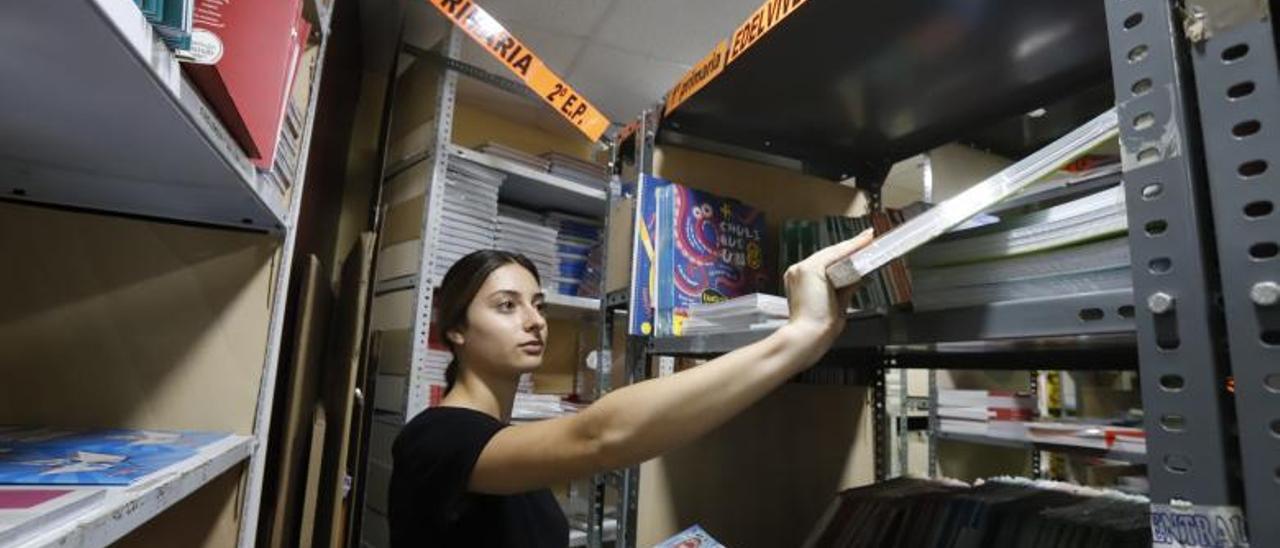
621, 55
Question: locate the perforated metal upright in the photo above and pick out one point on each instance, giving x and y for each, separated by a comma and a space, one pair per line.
1180, 340
1237, 78
446, 93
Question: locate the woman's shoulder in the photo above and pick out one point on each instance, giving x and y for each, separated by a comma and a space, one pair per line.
437, 426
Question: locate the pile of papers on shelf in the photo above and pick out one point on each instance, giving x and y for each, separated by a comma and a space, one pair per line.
908, 512
577, 238
745, 313
518, 156
1127, 439
49, 456
1066, 248
521, 231
587, 173
470, 215
172, 20
531, 407
991, 413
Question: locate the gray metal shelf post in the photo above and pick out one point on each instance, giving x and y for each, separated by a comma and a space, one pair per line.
1238, 83
1178, 328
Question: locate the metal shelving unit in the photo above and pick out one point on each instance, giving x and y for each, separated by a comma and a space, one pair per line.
523, 185
140, 141
1125, 456
1189, 175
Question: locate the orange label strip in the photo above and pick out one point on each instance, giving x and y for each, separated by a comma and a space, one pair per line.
517, 57
698, 76
765, 18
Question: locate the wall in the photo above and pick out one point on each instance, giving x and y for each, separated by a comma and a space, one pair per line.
763, 478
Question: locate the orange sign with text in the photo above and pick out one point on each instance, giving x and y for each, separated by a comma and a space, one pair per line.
706, 69
765, 18
488, 32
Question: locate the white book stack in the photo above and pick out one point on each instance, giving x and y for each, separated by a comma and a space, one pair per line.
576, 237
748, 312
469, 218
518, 156
25, 509
521, 231
990, 413
590, 174
1129, 439
534, 407
1067, 249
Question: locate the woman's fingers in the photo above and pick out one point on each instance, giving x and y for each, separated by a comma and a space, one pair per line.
829, 255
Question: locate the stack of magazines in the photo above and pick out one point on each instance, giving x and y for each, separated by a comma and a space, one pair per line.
518, 156
1003, 512
748, 312
470, 214
522, 231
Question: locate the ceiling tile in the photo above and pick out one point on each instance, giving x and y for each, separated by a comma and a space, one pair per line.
620, 83
679, 31
556, 50
567, 17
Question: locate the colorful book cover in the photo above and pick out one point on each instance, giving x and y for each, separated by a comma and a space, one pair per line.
26, 510
643, 254
693, 537
44, 456
710, 249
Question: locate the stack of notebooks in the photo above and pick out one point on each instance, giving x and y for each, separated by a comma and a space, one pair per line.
520, 157
285, 168
470, 214
992, 413
1089, 435
1005, 512
522, 231
171, 19
886, 288
576, 239
587, 173
1073, 247
49, 476
745, 313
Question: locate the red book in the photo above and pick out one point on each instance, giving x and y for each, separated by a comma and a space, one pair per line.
247, 84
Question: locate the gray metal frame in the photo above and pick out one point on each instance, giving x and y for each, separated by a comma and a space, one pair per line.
1183, 375
1238, 84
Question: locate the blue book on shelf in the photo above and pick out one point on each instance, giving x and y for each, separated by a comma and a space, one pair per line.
643, 286
151, 9
47, 456
175, 22
709, 248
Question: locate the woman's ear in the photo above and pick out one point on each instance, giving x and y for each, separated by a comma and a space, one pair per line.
455, 337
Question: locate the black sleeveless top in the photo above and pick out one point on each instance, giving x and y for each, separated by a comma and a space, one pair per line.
429, 504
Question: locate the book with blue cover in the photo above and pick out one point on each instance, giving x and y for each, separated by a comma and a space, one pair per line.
710, 249
693, 537
643, 284
47, 456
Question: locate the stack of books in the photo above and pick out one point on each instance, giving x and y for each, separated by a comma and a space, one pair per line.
521, 231
909, 512
889, 287
50, 456
518, 156
470, 215
1073, 247
1089, 435
992, 413
582, 171
171, 19
576, 239
533, 407
745, 313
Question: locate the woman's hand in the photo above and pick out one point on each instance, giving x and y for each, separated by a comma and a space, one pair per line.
817, 309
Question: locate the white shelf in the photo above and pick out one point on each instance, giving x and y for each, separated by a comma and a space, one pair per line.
124, 509
579, 537
100, 116
540, 190
571, 307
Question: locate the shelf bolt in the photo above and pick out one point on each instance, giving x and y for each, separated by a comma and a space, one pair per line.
1160, 303
1265, 293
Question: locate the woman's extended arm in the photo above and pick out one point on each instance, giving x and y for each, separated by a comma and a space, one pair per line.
639, 422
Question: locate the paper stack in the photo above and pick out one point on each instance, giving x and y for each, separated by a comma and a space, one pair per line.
520, 157
470, 215
1129, 439
521, 231
593, 175
1071, 248
754, 311
576, 239
532, 407
991, 413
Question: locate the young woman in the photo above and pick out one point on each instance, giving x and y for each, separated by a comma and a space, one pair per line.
463, 477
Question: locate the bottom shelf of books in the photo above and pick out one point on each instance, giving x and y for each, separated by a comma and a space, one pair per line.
81, 488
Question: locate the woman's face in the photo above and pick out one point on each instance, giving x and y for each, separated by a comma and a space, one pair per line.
505, 332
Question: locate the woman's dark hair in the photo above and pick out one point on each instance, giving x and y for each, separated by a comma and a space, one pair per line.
459, 288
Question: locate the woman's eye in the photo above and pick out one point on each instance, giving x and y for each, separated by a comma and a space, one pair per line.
506, 306
541, 307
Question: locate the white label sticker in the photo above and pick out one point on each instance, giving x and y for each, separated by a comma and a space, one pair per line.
206, 48
666, 366
1185, 526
